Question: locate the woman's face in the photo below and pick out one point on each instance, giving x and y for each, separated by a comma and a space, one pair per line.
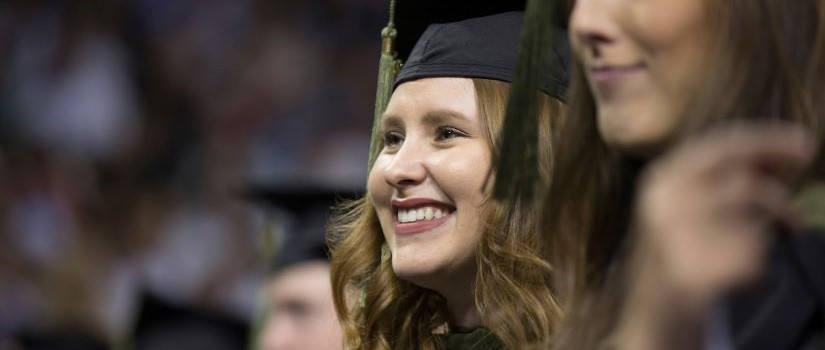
642, 59
426, 184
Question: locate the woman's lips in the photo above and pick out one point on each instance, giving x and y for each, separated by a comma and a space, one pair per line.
410, 228
607, 74
420, 225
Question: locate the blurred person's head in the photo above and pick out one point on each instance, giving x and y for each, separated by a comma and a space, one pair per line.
298, 308
428, 250
302, 314
641, 61
654, 71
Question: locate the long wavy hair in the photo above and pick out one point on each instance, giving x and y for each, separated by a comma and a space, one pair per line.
766, 62
513, 292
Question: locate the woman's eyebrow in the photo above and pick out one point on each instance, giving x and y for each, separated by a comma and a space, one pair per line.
440, 116
391, 120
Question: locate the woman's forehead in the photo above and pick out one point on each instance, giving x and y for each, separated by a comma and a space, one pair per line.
433, 99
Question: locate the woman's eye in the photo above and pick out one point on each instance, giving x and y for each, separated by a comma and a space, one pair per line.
446, 133
393, 139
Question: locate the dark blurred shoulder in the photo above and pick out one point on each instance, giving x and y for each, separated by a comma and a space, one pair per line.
786, 308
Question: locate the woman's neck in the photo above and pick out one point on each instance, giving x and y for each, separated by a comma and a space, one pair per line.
456, 287
462, 312
461, 306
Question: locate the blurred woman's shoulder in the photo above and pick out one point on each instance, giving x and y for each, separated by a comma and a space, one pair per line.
786, 308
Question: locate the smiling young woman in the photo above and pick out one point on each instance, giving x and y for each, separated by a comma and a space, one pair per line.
428, 247
427, 259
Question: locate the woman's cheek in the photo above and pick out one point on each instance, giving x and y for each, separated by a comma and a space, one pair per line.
465, 171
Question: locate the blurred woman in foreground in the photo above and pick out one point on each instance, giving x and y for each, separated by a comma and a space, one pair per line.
694, 123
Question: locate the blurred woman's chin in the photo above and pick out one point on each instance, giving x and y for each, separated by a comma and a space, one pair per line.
636, 134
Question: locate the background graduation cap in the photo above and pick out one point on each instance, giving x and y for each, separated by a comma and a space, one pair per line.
309, 208
517, 170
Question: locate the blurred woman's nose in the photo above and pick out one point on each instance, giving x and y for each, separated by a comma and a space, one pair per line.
589, 26
407, 165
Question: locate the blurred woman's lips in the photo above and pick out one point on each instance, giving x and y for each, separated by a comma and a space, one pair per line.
608, 74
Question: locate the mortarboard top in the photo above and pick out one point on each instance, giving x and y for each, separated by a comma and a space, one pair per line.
478, 44
310, 207
412, 17
297, 199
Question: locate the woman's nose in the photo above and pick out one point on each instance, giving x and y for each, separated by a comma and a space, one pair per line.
589, 27
407, 166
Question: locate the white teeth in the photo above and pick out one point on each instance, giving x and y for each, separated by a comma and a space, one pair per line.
424, 213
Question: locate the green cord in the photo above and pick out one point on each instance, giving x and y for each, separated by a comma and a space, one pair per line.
388, 67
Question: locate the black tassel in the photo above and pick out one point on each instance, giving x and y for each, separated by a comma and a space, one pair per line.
517, 164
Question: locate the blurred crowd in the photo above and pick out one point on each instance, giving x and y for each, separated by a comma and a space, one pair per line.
129, 130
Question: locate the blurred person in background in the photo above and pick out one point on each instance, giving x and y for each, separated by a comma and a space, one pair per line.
68, 108
297, 306
301, 312
427, 260
693, 125
298, 297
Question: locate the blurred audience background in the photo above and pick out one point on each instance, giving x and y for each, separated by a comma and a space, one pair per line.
129, 130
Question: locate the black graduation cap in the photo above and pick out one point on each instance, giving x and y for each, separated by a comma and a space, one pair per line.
162, 325
481, 47
310, 208
412, 17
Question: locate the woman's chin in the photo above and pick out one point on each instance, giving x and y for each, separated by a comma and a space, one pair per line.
641, 134
642, 144
414, 274
422, 275
438, 277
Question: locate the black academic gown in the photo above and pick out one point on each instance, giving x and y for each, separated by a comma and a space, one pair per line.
786, 309
471, 339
